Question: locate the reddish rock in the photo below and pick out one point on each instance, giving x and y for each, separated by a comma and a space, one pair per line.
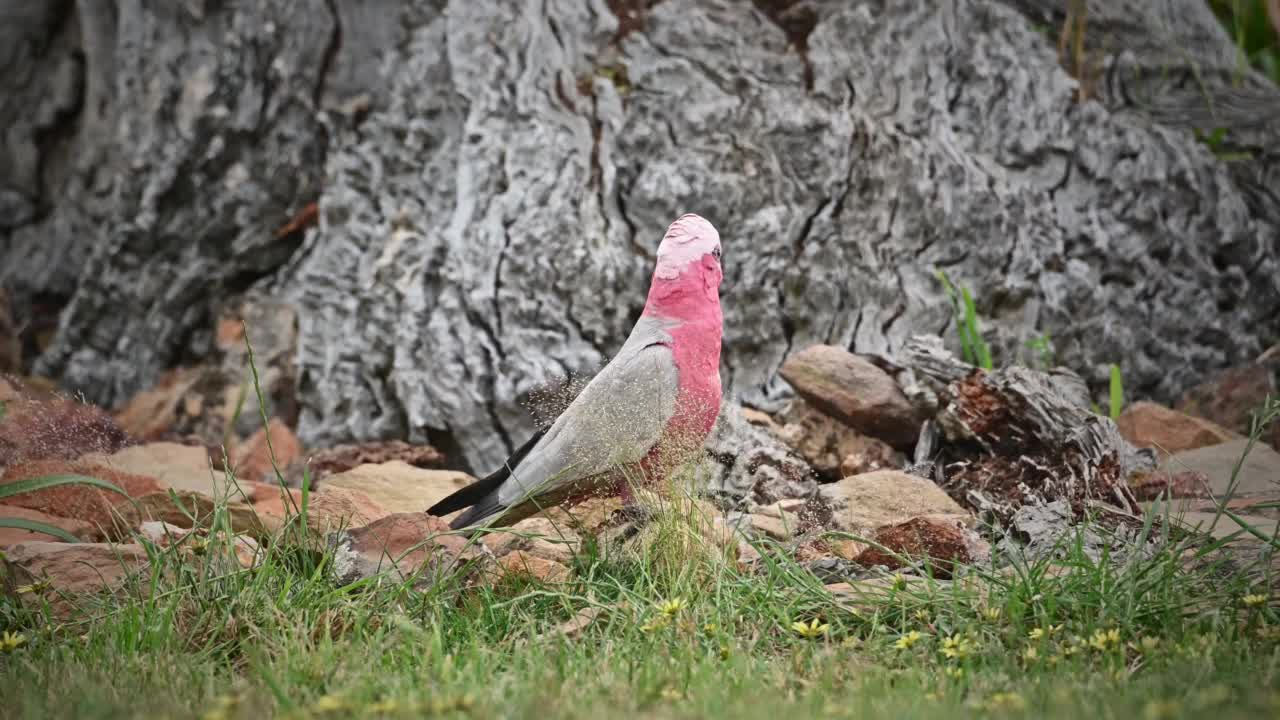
863, 504
536, 536
106, 511
183, 467
404, 545
832, 448
55, 429
1231, 398
1147, 424
72, 569
855, 391
332, 509
342, 458
12, 536
253, 457
523, 564
152, 413
943, 541
400, 487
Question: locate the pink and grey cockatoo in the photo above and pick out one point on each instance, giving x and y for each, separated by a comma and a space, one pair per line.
646, 412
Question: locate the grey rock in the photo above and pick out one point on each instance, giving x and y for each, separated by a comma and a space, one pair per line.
749, 466
493, 177
1258, 472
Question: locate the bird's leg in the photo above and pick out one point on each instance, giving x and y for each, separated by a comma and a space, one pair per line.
632, 510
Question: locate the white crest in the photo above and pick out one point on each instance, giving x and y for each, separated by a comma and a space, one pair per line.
687, 240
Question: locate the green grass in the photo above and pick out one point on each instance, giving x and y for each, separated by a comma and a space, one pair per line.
1254, 35
973, 347
196, 639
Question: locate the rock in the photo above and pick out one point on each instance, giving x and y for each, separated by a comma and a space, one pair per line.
107, 512
253, 456
273, 332
405, 545
345, 457
274, 504
1259, 473
942, 541
749, 464
538, 536
331, 509
10, 343
182, 467
1231, 398
786, 519
153, 413
11, 536
862, 504
55, 429
1049, 531
1147, 424
585, 518
1222, 526
187, 509
400, 487
854, 391
161, 533
829, 446
759, 418
523, 564
73, 569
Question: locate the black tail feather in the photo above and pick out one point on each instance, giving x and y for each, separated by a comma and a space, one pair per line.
483, 493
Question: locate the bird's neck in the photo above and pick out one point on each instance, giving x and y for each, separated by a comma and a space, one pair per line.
690, 299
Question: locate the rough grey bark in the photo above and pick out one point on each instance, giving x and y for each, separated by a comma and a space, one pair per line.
493, 177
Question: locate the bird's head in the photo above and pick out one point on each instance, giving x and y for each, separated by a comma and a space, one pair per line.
690, 251
686, 281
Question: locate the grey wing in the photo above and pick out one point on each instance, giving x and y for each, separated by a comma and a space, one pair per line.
616, 419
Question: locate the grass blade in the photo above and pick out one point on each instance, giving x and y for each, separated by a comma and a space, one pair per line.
38, 527
47, 481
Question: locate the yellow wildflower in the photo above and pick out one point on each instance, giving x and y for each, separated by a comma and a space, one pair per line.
1146, 644
954, 672
384, 707
36, 588
812, 630
1160, 709
1030, 654
655, 624
330, 703
11, 641
1036, 633
992, 614
672, 606
1006, 701
956, 647
899, 582
908, 640
1104, 639
1254, 600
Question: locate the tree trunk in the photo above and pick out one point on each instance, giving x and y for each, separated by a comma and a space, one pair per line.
492, 179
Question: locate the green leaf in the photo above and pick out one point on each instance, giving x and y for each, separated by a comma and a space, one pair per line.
48, 481
39, 527
1117, 392
3, 409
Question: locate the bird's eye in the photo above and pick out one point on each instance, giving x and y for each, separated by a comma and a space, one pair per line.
716, 252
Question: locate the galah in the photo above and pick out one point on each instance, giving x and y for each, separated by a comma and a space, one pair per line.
646, 412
